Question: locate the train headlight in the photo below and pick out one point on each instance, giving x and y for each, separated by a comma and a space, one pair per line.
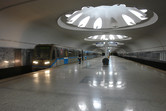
47, 62
35, 62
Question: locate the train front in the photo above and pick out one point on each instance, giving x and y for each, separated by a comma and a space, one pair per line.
41, 57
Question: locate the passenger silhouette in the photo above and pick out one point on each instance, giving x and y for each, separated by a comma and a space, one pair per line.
79, 58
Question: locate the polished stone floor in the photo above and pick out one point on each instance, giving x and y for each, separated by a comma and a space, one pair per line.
122, 86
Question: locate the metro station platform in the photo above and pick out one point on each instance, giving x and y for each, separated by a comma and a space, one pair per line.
122, 86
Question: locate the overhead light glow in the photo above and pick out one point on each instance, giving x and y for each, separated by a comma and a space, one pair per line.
116, 17
97, 104
68, 15
128, 20
119, 82
139, 15
84, 22
112, 37
119, 36
82, 106
102, 37
98, 24
94, 83
143, 10
83, 8
95, 37
74, 12
73, 19
108, 37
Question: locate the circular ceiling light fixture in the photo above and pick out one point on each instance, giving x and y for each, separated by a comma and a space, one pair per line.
108, 37
110, 44
117, 17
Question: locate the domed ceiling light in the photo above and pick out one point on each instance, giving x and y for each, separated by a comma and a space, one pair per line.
110, 44
107, 40
108, 37
107, 17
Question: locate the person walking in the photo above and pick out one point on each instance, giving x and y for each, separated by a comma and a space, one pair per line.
79, 58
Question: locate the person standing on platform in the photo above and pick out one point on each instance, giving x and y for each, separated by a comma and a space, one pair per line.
79, 58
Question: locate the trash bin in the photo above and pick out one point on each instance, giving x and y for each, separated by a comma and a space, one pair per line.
105, 61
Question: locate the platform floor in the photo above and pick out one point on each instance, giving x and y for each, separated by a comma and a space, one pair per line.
122, 86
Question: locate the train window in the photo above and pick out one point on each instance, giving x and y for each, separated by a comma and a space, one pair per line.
42, 52
58, 52
70, 53
66, 52
61, 53
74, 53
53, 54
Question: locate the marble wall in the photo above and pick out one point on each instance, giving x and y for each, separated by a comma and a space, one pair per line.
159, 56
10, 57
6, 57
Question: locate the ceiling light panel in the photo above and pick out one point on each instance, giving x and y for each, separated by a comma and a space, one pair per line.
108, 37
115, 17
107, 16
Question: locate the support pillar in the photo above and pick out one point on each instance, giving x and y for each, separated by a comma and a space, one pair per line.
106, 50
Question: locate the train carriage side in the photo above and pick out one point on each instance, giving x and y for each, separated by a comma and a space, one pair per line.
49, 55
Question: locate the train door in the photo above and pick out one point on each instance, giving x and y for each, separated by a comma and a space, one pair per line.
66, 59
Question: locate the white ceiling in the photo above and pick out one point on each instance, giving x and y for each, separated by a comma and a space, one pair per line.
24, 23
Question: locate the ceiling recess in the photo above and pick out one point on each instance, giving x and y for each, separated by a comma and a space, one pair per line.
117, 17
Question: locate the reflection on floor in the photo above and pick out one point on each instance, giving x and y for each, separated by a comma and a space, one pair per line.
122, 86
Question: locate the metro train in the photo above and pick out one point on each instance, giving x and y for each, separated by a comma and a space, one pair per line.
50, 55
